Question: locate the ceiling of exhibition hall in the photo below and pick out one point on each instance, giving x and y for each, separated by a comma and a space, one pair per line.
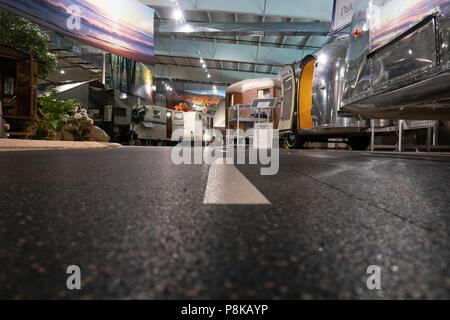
236, 39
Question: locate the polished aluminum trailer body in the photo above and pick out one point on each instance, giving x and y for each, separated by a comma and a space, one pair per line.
398, 66
312, 94
327, 89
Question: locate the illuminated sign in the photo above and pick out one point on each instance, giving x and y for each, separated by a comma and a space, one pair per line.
342, 14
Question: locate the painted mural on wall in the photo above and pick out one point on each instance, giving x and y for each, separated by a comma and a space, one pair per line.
131, 77
186, 101
392, 17
125, 28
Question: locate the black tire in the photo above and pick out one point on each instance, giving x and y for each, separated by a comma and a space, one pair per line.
294, 141
359, 143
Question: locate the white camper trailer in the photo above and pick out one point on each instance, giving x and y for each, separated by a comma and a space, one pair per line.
195, 125
156, 129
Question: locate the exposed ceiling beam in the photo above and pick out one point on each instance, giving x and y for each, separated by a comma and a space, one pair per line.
247, 28
236, 20
302, 9
209, 61
228, 52
254, 69
252, 42
196, 74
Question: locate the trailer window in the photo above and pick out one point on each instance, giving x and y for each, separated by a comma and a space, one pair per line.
264, 94
406, 56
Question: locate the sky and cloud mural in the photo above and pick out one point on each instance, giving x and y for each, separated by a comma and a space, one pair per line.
392, 17
125, 28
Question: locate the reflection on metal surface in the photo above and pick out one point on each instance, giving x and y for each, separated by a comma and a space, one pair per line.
327, 87
407, 76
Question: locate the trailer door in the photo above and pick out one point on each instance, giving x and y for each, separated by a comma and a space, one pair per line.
305, 96
288, 106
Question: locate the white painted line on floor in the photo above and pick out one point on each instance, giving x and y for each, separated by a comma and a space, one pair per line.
227, 185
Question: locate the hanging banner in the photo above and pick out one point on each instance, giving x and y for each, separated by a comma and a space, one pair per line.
125, 28
389, 18
342, 14
131, 77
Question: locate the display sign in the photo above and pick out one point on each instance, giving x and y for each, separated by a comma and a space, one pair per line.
264, 103
389, 18
342, 14
125, 28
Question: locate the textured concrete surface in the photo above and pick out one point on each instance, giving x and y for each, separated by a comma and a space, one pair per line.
9, 144
137, 226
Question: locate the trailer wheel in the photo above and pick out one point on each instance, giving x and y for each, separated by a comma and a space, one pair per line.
359, 143
294, 141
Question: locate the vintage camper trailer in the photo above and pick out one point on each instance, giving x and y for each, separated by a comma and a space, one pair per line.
219, 119
242, 94
312, 93
156, 129
398, 63
194, 125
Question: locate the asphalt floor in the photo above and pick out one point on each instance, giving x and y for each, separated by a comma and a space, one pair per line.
137, 226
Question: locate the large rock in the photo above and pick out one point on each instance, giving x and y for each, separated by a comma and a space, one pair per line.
98, 134
67, 135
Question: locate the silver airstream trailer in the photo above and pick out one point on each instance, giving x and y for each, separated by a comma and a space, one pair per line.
312, 93
398, 60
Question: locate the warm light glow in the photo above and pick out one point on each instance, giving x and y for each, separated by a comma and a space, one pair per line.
178, 15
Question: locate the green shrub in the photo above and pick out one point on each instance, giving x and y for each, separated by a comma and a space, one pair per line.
54, 114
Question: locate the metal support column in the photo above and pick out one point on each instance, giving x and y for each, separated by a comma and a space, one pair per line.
435, 134
429, 138
400, 135
104, 69
372, 135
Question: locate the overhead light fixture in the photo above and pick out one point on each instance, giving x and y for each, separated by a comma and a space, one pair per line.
123, 96
204, 64
63, 71
178, 14
202, 61
209, 76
